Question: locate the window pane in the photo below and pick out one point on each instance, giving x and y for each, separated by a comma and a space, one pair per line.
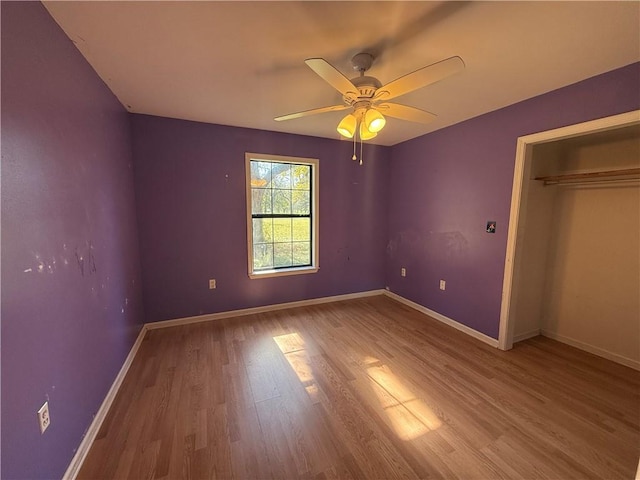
260, 174
282, 202
281, 254
263, 256
281, 175
301, 253
301, 202
281, 230
281, 195
301, 229
260, 201
301, 177
262, 230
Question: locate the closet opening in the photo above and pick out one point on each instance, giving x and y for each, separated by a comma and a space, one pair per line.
572, 269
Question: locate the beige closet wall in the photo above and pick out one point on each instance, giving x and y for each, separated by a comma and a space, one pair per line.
592, 292
533, 237
579, 266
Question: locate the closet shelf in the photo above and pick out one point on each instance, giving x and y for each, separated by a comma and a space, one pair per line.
602, 176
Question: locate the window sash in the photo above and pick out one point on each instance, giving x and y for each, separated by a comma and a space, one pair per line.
297, 246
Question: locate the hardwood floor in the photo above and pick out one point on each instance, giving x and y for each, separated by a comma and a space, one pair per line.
365, 388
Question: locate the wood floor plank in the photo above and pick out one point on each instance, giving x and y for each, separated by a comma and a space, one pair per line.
365, 388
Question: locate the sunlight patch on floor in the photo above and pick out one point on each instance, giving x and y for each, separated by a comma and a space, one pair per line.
293, 347
409, 416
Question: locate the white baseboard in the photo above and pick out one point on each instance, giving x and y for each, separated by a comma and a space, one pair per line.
94, 428
254, 310
438, 316
526, 335
601, 352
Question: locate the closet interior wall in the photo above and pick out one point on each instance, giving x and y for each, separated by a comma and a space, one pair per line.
580, 260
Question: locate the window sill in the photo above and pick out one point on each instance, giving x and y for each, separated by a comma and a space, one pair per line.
283, 272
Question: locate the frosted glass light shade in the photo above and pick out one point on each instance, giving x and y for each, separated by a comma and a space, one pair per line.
347, 126
374, 120
365, 134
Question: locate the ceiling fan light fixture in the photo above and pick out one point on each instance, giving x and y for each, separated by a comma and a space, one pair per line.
374, 121
347, 126
365, 133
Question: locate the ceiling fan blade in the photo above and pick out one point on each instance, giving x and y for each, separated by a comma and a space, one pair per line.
333, 108
332, 76
420, 78
404, 112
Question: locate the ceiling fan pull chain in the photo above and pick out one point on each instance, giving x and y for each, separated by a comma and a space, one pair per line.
354, 148
361, 150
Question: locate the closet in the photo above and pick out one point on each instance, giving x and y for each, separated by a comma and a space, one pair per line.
579, 255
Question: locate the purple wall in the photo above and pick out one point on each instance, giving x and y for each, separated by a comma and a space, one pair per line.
190, 192
71, 300
446, 185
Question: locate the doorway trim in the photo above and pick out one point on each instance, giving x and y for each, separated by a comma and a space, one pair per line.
519, 194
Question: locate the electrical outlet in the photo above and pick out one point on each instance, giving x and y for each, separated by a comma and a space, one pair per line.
212, 284
443, 285
403, 272
43, 417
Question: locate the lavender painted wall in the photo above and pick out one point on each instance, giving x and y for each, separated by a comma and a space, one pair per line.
190, 192
446, 185
71, 299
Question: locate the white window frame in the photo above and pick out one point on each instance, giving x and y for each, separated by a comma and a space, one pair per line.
315, 169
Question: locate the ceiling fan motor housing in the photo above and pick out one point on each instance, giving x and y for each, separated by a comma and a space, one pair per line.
367, 87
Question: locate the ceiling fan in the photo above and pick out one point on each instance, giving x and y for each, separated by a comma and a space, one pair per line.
368, 98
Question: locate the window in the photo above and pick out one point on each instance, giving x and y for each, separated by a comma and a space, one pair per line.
282, 215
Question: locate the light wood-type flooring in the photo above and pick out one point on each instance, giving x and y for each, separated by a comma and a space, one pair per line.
365, 388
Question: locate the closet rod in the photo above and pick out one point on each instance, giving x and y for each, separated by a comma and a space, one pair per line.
602, 176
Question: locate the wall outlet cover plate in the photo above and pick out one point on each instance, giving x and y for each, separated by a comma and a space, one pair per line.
43, 417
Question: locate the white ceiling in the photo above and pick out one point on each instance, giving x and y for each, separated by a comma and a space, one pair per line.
242, 63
